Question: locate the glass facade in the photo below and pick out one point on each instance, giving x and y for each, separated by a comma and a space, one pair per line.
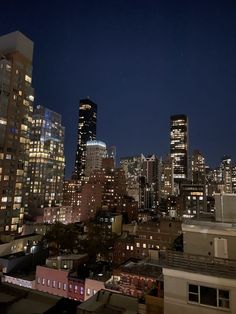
47, 161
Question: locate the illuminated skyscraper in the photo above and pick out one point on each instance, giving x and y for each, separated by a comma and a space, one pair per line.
179, 146
16, 106
87, 128
47, 161
95, 152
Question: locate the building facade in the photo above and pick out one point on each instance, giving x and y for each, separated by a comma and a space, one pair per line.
47, 161
198, 168
95, 152
179, 146
16, 106
87, 129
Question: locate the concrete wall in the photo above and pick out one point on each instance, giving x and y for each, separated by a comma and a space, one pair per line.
176, 292
203, 243
225, 207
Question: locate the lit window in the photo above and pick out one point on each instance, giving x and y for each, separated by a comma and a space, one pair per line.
28, 79
3, 121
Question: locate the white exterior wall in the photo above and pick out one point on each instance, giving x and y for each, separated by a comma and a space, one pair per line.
176, 292
19, 282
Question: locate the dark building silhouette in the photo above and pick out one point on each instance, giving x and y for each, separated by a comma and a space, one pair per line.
87, 127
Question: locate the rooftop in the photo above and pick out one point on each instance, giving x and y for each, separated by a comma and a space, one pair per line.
68, 257
18, 300
16, 41
149, 268
109, 302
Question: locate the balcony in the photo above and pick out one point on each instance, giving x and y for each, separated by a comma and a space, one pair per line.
218, 267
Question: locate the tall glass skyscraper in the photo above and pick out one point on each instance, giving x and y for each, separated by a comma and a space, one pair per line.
47, 161
179, 146
87, 129
16, 106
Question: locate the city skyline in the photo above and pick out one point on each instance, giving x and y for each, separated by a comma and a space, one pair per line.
140, 64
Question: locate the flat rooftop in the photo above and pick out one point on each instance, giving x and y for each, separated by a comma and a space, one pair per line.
18, 300
69, 256
16, 41
147, 268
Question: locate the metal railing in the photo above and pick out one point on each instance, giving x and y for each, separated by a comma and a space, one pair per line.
201, 264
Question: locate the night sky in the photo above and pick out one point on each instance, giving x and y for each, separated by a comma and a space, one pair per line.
140, 61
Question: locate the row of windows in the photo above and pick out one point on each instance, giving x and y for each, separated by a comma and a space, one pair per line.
219, 298
52, 283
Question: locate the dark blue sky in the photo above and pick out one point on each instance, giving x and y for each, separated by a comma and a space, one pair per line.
140, 61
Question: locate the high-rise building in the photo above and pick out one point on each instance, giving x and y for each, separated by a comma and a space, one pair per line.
166, 185
87, 128
111, 153
47, 161
16, 106
95, 152
150, 171
198, 168
142, 175
226, 169
179, 146
106, 191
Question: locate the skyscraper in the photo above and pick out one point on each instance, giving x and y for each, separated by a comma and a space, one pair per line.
47, 161
179, 146
198, 168
166, 185
95, 152
87, 128
16, 106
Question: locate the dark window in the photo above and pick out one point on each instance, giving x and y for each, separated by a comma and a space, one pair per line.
224, 298
208, 296
193, 293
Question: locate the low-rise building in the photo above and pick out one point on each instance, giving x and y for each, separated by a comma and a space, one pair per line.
138, 278
53, 278
109, 302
